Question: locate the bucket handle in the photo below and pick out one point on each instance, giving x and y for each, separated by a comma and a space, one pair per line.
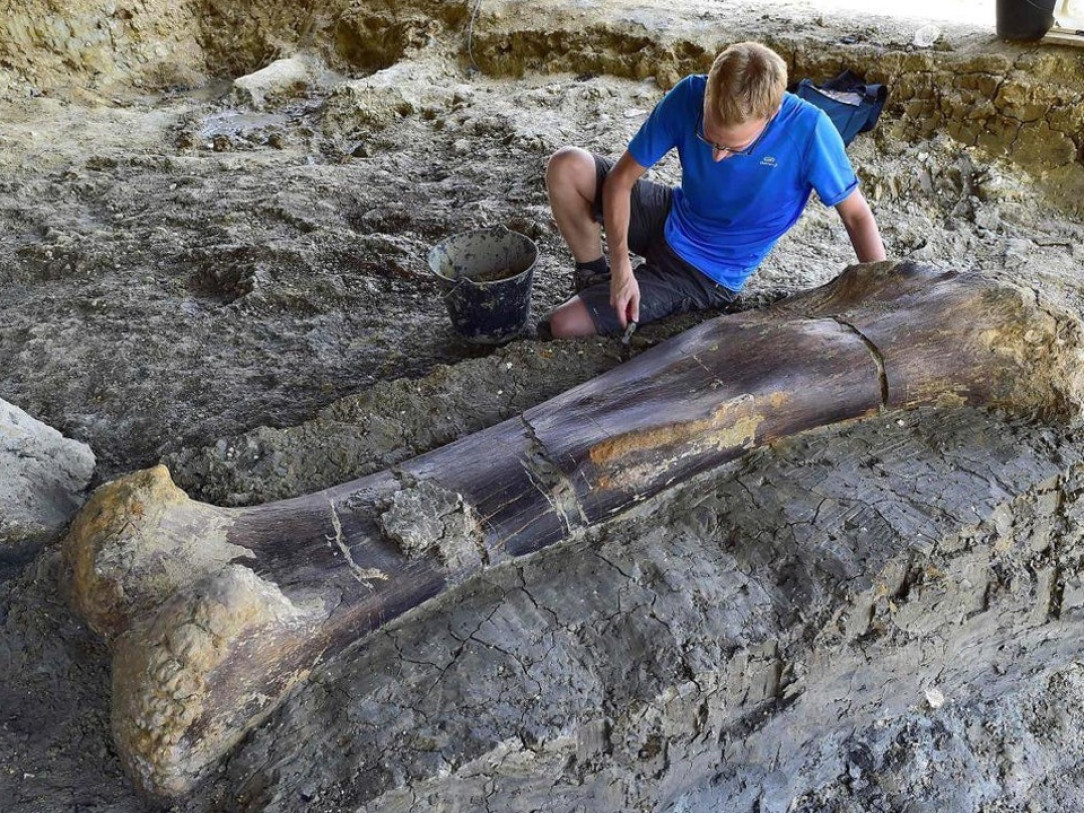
455, 287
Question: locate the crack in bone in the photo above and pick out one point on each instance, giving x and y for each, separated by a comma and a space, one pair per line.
365, 575
552, 483
875, 354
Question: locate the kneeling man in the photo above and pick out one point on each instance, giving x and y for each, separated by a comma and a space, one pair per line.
751, 154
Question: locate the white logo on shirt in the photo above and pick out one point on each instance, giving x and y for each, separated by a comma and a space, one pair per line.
767, 161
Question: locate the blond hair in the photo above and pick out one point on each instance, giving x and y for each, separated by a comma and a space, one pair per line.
746, 82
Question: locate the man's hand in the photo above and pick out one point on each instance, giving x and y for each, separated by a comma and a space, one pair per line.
625, 293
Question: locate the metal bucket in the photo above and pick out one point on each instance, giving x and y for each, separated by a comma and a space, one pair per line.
487, 276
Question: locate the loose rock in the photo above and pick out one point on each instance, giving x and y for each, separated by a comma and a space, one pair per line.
43, 478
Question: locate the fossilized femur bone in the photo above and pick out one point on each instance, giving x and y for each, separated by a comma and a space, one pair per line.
214, 614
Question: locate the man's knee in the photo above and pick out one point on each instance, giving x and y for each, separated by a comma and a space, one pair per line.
570, 166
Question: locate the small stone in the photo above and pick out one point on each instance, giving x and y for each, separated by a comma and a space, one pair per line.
187, 140
282, 80
934, 698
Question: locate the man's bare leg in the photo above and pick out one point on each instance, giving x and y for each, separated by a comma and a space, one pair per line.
572, 184
571, 319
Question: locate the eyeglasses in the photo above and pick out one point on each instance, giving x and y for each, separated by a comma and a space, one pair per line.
729, 150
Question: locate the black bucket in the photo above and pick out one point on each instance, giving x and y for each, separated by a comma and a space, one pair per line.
487, 276
1024, 19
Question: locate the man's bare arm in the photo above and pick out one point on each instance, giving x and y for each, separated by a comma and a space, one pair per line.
861, 227
616, 195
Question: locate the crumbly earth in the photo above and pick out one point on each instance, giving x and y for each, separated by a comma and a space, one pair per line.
192, 271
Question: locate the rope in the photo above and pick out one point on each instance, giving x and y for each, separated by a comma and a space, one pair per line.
470, 36
1042, 8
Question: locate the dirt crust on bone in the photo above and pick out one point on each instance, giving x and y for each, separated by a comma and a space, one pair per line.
138, 541
425, 517
1036, 335
164, 674
1050, 344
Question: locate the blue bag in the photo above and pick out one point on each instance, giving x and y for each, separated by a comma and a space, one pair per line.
851, 104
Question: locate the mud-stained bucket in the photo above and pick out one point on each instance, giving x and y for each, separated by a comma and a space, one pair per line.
1024, 20
486, 275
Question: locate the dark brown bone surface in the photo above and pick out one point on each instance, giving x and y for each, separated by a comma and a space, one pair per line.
213, 614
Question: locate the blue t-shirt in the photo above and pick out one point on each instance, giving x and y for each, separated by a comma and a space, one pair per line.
727, 215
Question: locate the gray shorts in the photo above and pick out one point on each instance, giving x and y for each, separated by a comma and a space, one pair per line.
668, 284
